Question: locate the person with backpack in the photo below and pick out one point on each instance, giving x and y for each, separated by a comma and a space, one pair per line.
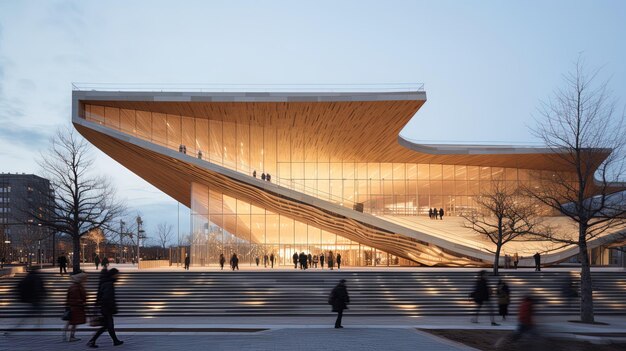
75, 303
339, 299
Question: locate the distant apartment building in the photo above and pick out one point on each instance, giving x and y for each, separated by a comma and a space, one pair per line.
24, 198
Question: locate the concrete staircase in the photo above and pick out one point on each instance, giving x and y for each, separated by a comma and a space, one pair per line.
304, 293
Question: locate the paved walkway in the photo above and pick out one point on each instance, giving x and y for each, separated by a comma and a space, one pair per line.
280, 339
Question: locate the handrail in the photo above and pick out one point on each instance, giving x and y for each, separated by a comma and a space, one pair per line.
287, 88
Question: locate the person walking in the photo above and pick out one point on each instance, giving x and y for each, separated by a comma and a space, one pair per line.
234, 262
537, 258
430, 213
254, 173
315, 261
96, 260
257, 261
262, 176
2, 262
222, 261
295, 260
480, 295
272, 259
504, 298
265, 259
31, 291
322, 260
515, 260
440, 213
108, 307
302, 258
309, 258
331, 260
187, 261
435, 213
339, 299
62, 261
338, 261
75, 303
105, 262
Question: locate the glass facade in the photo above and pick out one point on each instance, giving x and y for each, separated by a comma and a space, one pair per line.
225, 224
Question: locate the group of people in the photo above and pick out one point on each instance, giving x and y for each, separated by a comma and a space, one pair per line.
31, 290
264, 176
234, 261
304, 261
183, 148
433, 213
271, 258
511, 261
104, 262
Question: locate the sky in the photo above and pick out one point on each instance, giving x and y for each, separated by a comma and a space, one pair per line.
485, 65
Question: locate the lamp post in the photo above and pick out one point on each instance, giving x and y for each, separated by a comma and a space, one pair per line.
139, 232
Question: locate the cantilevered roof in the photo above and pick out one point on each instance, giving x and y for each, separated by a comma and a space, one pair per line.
347, 126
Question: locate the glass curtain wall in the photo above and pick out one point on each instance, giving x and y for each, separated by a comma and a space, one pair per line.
224, 224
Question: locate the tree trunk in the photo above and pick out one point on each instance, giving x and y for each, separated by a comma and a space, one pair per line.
586, 284
76, 258
496, 262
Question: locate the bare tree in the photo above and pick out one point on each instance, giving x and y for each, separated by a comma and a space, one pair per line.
586, 134
503, 215
82, 201
164, 232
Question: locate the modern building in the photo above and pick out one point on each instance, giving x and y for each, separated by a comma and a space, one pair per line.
297, 171
23, 197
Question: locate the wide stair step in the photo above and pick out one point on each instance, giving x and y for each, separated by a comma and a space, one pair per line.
298, 293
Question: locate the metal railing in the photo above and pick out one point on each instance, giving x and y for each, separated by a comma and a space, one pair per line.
244, 88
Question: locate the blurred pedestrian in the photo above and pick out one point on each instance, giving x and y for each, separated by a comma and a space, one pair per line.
31, 291
331, 260
515, 260
75, 303
440, 213
339, 299
265, 260
322, 260
315, 261
222, 261
105, 262
257, 260
481, 295
96, 260
62, 261
295, 260
187, 261
568, 290
525, 323
107, 304
272, 258
302, 259
430, 213
309, 258
338, 261
504, 298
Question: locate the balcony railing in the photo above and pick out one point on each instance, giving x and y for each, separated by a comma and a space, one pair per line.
249, 88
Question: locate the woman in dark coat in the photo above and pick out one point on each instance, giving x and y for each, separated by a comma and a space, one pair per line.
108, 307
75, 302
339, 299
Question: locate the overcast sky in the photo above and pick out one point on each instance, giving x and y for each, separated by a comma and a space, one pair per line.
485, 64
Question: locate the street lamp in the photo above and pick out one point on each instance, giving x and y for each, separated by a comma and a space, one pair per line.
139, 232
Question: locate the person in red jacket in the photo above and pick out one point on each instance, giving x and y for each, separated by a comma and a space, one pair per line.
75, 304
